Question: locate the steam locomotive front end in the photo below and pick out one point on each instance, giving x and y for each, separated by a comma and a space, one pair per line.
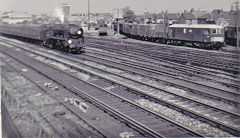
76, 40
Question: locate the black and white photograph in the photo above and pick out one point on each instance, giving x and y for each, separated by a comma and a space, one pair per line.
119, 68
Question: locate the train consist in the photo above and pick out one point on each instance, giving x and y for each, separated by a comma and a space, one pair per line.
68, 38
203, 36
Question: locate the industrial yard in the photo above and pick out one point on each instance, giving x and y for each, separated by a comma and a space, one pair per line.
186, 95
118, 78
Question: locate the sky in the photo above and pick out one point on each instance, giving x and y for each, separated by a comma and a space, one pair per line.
138, 6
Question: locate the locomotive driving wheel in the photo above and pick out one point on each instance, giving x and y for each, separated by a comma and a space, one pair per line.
43, 43
69, 50
49, 44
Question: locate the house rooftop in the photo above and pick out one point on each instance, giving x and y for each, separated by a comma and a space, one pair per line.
159, 16
205, 16
188, 15
172, 16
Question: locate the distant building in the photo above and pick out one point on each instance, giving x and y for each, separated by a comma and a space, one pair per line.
66, 11
187, 18
15, 18
223, 22
171, 18
139, 19
154, 18
148, 18
159, 18
224, 18
199, 13
117, 13
205, 19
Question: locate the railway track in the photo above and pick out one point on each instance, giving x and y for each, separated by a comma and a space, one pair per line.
224, 53
127, 111
154, 70
197, 58
222, 77
69, 126
118, 128
181, 72
189, 102
188, 66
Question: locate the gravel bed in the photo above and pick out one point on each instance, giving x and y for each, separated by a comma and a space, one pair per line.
150, 82
5, 44
184, 93
198, 126
137, 86
32, 110
26, 117
13, 40
218, 74
186, 121
159, 94
154, 83
168, 97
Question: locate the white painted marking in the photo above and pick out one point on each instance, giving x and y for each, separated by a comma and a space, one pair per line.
24, 70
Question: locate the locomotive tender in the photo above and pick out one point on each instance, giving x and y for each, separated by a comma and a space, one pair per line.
69, 38
203, 36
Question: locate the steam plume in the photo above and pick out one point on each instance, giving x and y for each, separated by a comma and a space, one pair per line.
59, 14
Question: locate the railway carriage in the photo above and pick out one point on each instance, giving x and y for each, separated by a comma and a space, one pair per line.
203, 36
65, 37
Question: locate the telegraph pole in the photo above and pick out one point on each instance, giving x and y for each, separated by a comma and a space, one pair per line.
118, 21
237, 10
88, 14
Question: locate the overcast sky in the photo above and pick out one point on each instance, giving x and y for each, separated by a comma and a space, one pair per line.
139, 6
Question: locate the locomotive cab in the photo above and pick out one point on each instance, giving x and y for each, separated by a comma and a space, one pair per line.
206, 36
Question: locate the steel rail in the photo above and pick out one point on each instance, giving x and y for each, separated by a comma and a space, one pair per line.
219, 123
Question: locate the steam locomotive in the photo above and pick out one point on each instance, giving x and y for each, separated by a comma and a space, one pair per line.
203, 36
64, 37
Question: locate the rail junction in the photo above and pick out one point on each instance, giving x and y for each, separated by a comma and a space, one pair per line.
121, 89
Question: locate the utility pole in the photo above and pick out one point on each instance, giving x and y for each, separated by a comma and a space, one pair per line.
88, 14
237, 10
118, 21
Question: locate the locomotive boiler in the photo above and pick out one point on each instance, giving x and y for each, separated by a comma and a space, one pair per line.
68, 38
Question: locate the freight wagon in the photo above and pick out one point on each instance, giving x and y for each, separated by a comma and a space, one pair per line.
203, 36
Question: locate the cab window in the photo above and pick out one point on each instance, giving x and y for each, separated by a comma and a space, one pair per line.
184, 30
58, 33
205, 31
214, 31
